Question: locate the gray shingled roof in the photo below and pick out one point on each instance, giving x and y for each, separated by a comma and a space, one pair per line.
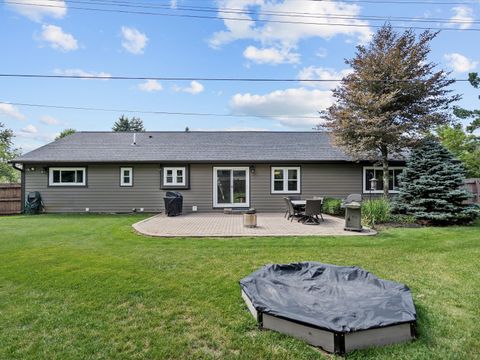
261, 146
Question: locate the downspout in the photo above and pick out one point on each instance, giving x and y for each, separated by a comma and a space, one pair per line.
22, 185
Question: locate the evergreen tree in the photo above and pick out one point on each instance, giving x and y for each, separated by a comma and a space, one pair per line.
431, 187
125, 124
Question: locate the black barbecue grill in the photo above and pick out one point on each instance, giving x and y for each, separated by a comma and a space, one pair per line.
173, 203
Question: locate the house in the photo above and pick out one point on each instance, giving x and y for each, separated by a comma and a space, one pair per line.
124, 172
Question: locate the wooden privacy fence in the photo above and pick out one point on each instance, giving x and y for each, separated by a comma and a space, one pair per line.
473, 185
10, 199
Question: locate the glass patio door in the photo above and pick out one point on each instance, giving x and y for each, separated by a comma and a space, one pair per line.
231, 187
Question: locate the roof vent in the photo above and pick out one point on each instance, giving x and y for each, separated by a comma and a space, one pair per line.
134, 139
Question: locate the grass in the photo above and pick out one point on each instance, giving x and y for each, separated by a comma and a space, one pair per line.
88, 287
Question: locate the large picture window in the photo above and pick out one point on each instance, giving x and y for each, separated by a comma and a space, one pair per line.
370, 172
174, 176
285, 180
67, 176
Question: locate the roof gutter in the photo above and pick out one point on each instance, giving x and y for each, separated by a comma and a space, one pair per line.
16, 167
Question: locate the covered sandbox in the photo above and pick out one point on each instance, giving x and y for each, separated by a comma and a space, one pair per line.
337, 308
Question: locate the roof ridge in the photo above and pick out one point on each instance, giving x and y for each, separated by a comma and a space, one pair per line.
207, 131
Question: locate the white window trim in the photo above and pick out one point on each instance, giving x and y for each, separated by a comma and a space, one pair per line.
285, 180
122, 183
365, 168
50, 176
247, 187
174, 176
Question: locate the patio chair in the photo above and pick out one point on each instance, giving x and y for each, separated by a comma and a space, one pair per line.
321, 206
287, 210
312, 210
290, 209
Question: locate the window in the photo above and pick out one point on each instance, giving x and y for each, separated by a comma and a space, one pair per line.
285, 180
126, 176
67, 177
174, 176
370, 172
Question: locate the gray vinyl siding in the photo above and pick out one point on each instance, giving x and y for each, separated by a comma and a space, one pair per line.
104, 194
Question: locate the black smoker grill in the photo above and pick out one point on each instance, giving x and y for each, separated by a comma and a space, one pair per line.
33, 203
173, 203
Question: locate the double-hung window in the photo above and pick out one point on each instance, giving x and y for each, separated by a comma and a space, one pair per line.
285, 180
174, 176
126, 176
67, 176
370, 172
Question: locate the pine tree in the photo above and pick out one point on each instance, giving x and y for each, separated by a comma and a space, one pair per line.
125, 124
431, 187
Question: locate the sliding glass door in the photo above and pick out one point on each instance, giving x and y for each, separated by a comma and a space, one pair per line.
231, 187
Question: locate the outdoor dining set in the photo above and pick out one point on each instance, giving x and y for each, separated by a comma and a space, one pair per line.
306, 211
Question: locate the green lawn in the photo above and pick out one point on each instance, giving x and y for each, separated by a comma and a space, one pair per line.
88, 287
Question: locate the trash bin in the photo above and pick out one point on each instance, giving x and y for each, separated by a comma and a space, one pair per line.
353, 212
173, 203
33, 203
250, 218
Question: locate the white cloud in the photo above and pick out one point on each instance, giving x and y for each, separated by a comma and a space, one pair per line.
284, 105
462, 14
322, 53
284, 35
319, 73
11, 111
271, 55
35, 135
49, 120
29, 129
150, 85
460, 63
80, 72
36, 10
57, 39
194, 88
133, 41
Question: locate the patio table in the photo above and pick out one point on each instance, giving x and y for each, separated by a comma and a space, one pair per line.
299, 203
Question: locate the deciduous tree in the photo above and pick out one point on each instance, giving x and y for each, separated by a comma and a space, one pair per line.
65, 132
470, 114
7, 153
465, 147
391, 99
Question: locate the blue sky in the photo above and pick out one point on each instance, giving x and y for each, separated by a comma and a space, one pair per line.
63, 40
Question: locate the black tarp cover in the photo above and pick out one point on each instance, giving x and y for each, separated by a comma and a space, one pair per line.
337, 298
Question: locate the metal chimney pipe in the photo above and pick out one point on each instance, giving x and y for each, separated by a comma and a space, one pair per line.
134, 138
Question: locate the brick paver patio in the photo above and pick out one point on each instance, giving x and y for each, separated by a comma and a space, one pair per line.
231, 225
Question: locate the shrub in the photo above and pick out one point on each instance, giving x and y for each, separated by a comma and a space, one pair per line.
333, 206
402, 219
375, 211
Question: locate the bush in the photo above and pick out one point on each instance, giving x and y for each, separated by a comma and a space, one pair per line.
333, 206
402, 219
375, 211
